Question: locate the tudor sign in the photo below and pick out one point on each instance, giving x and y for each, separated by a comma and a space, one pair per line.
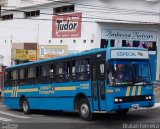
67, 26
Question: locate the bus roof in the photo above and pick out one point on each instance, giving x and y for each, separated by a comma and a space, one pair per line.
87, 52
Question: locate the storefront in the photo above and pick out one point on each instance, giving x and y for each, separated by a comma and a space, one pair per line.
132, 38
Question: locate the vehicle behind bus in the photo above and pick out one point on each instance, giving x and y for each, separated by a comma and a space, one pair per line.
89, 82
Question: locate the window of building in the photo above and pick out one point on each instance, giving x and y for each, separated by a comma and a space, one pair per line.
92, 41
74, 41
7, 17
84, 41
32, 13
63, 9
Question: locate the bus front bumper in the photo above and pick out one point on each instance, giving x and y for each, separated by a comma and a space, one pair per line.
129, 105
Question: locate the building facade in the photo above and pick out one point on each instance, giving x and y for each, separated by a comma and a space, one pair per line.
81, 25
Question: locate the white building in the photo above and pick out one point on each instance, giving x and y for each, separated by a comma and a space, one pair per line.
103, 21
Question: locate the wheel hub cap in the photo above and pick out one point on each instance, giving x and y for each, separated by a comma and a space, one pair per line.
84, 109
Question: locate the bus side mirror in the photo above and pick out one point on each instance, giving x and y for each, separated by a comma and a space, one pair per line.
102, 68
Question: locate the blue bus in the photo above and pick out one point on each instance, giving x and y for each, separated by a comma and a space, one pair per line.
97, 80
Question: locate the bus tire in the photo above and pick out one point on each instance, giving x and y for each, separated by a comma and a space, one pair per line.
84, 110
25, 106
122, 111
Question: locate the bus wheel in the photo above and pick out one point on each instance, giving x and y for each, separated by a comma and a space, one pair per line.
84, 110
25, 106
122, 111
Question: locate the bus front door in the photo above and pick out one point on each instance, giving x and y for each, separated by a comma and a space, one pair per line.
98, 86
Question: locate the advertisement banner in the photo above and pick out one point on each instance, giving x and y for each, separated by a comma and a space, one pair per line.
67, 26
48, 51
22, 54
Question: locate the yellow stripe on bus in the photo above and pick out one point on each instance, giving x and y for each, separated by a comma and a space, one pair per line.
133, 90
7, 91
139, 90
65, 88
128, 91
28, 90
17, 91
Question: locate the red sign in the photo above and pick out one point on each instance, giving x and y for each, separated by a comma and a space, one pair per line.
67, 26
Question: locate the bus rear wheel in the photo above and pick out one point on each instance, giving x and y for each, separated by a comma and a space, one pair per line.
25, 106
84, 110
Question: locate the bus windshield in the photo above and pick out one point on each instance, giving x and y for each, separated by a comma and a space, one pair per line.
129, 73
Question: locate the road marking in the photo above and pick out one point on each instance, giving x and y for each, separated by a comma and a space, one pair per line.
5, 119
13, 115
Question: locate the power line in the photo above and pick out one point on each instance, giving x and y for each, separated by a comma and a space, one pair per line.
94, 17
103, 9
97, 18
91, 6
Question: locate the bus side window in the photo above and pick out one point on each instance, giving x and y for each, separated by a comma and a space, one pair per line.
82, 69
58, 72
51, 71
66, 71
22, 77
31, 77
7, 78
62, 72
14, 76
73, 71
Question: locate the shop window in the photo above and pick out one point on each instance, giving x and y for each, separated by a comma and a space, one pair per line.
107, 43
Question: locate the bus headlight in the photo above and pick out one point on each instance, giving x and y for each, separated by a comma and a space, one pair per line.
147, 97
116, 100
120, 100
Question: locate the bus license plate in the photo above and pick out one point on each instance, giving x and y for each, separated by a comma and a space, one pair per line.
135, 105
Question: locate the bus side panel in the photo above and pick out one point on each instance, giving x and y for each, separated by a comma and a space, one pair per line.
60, 98
65, 104
12, 103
